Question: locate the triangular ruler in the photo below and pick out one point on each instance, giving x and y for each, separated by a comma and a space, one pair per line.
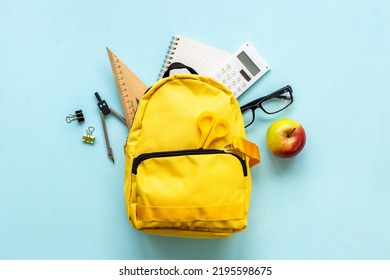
130, 87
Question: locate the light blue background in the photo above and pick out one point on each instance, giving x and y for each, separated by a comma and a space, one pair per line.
63, 199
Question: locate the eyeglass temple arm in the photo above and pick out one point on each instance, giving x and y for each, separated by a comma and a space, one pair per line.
275, 94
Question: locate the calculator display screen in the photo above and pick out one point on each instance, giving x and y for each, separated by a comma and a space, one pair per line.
248, 63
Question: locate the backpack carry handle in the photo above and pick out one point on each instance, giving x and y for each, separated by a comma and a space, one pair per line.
178, 65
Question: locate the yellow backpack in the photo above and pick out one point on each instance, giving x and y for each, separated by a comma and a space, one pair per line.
187, 160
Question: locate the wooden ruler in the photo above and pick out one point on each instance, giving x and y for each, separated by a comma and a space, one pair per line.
130, 87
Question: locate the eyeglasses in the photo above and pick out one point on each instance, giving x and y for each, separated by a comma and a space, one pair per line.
270, 104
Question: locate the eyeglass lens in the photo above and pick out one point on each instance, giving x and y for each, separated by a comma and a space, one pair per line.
276, 104
270, 104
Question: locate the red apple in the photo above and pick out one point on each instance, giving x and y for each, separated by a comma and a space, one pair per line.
285, 138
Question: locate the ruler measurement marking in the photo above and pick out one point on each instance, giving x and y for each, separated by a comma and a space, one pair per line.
127, 96
129, 111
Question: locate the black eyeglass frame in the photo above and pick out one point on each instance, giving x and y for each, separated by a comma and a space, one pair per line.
253, 105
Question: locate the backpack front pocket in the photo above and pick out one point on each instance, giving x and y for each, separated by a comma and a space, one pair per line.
188, 186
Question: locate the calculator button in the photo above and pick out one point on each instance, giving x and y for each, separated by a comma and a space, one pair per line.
245, 75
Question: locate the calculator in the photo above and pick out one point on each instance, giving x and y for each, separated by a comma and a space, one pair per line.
241, 70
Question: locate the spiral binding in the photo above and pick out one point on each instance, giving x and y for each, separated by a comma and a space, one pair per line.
169, 56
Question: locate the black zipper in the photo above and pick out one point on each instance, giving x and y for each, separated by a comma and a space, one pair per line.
137, 161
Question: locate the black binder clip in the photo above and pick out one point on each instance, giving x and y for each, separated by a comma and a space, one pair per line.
77, 116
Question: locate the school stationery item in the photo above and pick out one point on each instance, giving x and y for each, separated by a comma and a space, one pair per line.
211, 128
130, 87
241, 70
270, 104
173, 187
78, 115
88, 137
203, 58
105, 110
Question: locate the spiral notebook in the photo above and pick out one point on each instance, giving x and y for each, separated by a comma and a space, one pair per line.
204, 59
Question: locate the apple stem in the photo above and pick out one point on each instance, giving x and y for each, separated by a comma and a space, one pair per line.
292, 131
